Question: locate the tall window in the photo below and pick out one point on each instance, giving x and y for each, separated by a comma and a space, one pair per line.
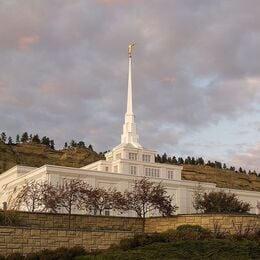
116, 168
146, 158
118, 156
133, 156
170, 174
133, 170
152, 172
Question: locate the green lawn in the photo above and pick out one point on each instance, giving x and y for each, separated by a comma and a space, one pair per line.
211, 249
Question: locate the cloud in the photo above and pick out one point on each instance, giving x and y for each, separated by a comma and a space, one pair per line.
25, 42
191, 69
249, 159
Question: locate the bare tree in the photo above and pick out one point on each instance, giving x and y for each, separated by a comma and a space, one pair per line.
68, 195
50, 197
147, 197
29, 196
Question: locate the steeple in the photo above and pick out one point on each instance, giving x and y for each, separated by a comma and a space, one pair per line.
129, 135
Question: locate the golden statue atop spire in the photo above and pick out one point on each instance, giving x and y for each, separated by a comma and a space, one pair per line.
130, 48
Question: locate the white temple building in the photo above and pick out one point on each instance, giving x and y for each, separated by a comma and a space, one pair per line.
125, 163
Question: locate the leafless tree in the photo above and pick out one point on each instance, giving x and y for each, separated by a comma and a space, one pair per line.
68, 195
50, 197
29, 196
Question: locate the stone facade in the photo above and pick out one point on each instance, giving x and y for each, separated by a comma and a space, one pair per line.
225, 223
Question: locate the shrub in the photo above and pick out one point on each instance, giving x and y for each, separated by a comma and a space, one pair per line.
15, 256
192, 232
32, 256
220, 202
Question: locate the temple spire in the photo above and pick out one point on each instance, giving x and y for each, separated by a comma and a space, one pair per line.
129, 135
129, 110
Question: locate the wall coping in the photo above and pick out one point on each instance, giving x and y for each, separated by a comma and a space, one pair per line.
67, 229
66, 214
207, 215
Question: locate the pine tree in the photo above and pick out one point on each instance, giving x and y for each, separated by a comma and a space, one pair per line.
36, 139
10, 141
52, 145
45, 140
66, 145
90, 147
3, 137
25, 137
17, 139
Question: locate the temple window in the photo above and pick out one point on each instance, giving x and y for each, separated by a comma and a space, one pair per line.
152, 172
133, 170
170, 174
133, 156
146, 158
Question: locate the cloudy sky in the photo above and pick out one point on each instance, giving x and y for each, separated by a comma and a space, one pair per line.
63, 73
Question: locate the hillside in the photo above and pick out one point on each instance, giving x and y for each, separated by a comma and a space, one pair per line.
31, 154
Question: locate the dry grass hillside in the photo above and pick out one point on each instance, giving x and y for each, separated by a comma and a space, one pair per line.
30, 154
223, 178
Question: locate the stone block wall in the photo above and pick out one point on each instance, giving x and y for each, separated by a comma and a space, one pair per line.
86, 222
50, 231
226, 223
27, 240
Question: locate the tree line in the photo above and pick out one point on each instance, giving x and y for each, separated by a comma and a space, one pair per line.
144, 197
27, 138
199, 161
35, 138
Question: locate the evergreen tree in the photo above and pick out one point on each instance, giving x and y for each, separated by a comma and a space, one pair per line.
180, 160
17, 139
52, 145
66, 145
174, 160
36, 139
3, 137
90, 147
164, 158
192, 161
10, 141
158, 158
73, 143
81, 144
25, 137
30, 138
45, 140
240, 170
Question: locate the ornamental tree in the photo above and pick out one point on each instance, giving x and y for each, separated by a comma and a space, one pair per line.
146, 197
68, 195
220, 202
100, 199
30, 196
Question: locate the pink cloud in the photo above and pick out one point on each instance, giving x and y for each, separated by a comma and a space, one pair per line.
250, 159
50, 88
114, 2
25, 42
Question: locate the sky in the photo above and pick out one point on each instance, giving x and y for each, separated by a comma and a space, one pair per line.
196, 74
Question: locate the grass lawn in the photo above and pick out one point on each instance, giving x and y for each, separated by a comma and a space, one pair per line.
210, 249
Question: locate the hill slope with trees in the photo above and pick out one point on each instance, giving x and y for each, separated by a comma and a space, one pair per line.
31, 150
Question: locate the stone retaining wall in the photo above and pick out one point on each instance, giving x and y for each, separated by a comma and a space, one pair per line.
226, 223
27, 240
96, 232
86, 222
